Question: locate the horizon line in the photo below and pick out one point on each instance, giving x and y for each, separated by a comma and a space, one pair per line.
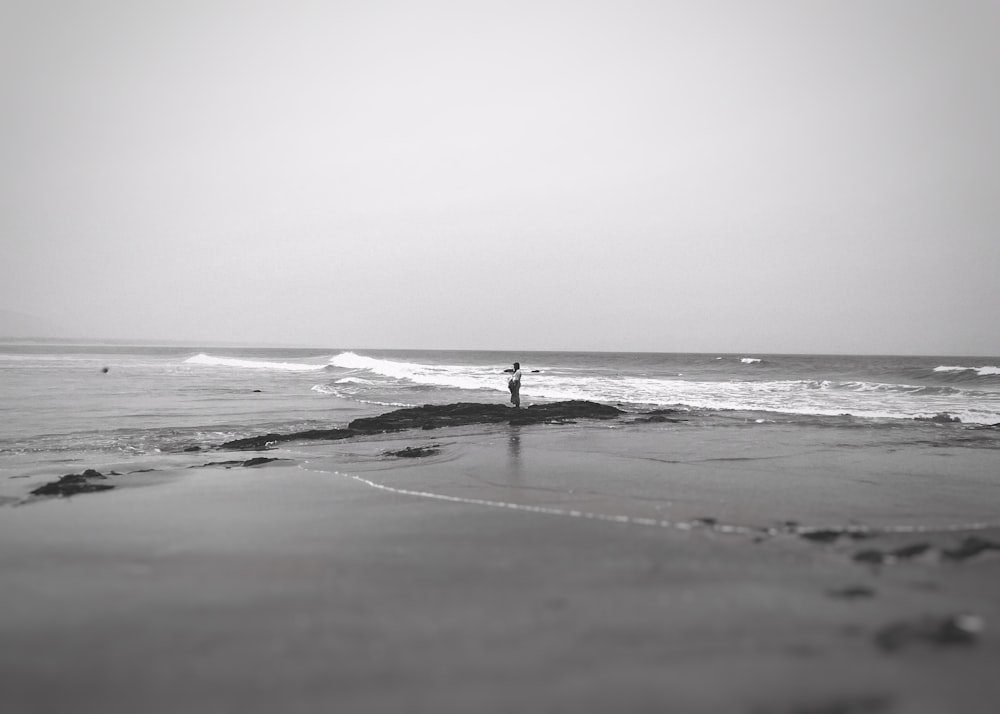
229, 344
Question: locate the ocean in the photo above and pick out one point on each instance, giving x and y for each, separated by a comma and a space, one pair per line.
106, 402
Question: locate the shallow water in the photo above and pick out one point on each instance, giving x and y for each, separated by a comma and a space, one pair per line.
107, 403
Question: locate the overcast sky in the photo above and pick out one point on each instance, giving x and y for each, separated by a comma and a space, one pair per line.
666, 176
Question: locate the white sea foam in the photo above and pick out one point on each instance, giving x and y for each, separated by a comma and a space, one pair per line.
750, 360
355, 380
232, 362
399, 370
987, 371
336, 392
805, 397
455, 376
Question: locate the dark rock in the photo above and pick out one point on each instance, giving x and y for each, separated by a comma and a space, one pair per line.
971, 546
656, 416
911, 551
257, 391
436, 416
256, 461
824, 536
941, 418
904, 553
192, 448
846, 704
259, 461
415, 452
72, 484
657, 419
948, 631
829, 535
874, 556
851, 592
267, 441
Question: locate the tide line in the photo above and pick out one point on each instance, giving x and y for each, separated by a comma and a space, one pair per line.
549, 511
702, 525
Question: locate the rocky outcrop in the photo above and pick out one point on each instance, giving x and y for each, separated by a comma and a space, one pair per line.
267, 441
249, 463
415, 452
941, 418
436, 416
72, 484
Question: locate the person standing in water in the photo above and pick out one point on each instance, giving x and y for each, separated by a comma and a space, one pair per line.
514, 385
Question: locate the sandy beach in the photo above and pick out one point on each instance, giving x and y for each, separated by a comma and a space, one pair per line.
588, 567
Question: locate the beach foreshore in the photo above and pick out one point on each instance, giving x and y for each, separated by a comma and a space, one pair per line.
584, 567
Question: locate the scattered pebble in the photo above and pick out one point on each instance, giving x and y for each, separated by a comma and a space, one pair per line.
906, 552
971, 546
849, 704
851, 592
911, 551
830, 535
948, 631
871, 556
821, 536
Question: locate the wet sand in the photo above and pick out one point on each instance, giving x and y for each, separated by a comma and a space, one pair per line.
583, 568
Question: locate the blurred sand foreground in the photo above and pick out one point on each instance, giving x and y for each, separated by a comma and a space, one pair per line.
571, 568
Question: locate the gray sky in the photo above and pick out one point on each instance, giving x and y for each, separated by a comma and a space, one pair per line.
718, 176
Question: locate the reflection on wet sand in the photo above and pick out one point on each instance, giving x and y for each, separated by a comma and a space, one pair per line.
515, 467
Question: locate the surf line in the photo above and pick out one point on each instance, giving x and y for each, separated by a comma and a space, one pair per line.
546, 510
675, 525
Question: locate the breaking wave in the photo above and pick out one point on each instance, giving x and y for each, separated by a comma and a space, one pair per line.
430, 375
376, 380
988, 371
233, 362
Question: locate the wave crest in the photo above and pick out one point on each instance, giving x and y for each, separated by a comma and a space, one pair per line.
373, 379
427, 375
987, 371
235, 363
